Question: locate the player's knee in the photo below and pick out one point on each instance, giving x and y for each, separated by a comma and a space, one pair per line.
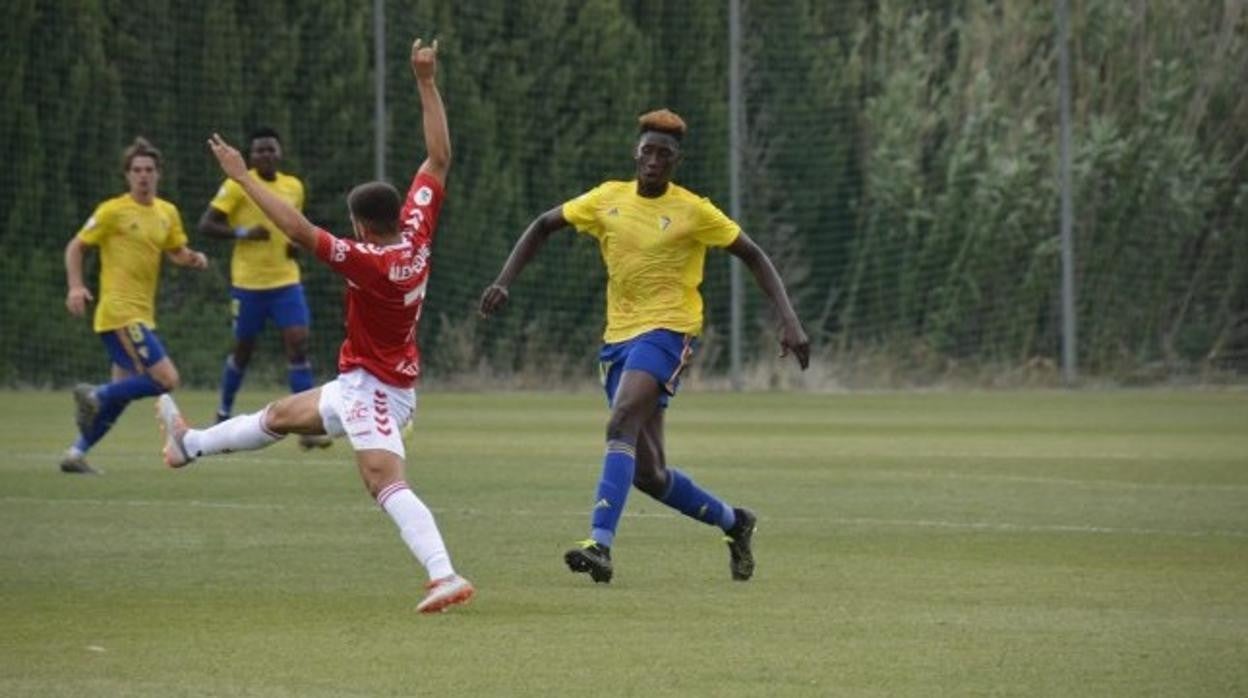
652, 481
168, 379
624, 423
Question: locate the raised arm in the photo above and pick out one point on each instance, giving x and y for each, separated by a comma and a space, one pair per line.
495, 295
433, 114
792, 336
288, 219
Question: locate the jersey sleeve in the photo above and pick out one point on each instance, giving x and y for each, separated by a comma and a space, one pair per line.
228, 197
97, 226
582, 212
419, 215
714, 228
177, 234
357, 262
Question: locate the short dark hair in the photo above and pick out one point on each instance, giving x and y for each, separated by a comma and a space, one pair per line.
141, 147
663, 121
263, 132
375, 205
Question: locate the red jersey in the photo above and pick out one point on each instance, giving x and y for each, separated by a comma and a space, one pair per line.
386, 289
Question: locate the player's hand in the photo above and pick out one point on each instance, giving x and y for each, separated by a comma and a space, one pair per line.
230, 160
493, 299
76, 300
424, 60
258, 233
793, 340
198, 260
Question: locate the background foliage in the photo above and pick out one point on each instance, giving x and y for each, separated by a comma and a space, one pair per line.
900, 168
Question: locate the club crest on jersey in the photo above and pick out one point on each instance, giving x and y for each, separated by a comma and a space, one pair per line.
423, 196
664, 221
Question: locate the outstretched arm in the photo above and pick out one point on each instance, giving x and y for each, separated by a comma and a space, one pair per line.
433, 114
534, 236
288, 218
792, 336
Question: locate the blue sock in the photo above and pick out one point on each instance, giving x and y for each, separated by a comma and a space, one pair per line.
300, 376
685, 496
231, 381
113, 398
618, 466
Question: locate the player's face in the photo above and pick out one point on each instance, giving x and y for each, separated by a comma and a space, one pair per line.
142, 176
265, 155
657, 156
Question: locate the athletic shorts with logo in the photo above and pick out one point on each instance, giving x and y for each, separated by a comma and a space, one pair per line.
369, 412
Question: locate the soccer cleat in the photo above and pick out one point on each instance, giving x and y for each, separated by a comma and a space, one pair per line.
222, 416
87, 407
173, 426
77, 465
310, 441
738, 539
443, 593
592, 557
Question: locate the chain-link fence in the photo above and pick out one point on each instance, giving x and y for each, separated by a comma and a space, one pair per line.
899, 164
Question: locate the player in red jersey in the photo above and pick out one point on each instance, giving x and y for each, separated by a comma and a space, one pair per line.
386, 268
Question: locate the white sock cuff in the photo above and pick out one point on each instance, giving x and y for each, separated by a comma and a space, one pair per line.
389, 491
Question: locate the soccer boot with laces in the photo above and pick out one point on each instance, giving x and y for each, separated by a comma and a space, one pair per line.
739, 538
590, 557
173, 426
76, 464
86, 407
443, 593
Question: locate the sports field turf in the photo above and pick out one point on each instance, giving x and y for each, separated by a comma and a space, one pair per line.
986, 544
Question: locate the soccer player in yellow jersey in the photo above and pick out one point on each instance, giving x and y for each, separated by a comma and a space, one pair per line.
263, 273
132, 231
653, 235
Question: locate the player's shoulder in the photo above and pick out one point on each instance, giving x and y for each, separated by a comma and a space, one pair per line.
114, 204
685, 194
609, 190
166, 206
288, 180
692, 199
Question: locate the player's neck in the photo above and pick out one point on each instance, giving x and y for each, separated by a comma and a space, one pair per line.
143, 199
651, 191
383, 241
267, 176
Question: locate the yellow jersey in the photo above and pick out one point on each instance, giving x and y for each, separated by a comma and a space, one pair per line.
257, 265
131, 237
654, 251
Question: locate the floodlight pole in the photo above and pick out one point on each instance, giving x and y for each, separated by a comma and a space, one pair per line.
379, 90
1069, 346
736, 120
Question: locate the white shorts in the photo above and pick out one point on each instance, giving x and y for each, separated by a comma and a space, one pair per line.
369, 412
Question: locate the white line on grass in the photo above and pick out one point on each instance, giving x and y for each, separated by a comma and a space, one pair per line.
1059, 481
988, 526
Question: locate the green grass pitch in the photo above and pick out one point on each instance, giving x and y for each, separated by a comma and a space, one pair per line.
976, 544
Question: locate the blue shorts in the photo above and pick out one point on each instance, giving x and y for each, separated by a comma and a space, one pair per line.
285, 306
663, 354
133, 347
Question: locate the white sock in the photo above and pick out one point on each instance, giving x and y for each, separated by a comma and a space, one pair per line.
417, 527
242, 433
